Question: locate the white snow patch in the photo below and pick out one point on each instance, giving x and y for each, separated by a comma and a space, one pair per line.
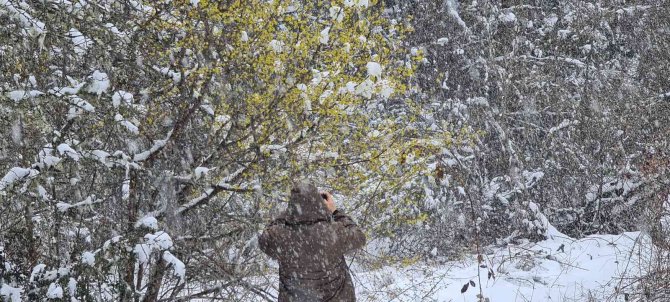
121, 95
30, 24
178, 266
46, 159
374, 69
70, 90
67, 150
17, 132
160, 240
324, 36
15, 174
365, 89
111, 27
158, 144
18, 95
88, 258
37, 270
563, 124
72, 288
142, 252
200, 172
147, 221
556, 269
99, 83
176, 76
81, 42
507, 17
336, 13
64, 206
10, 294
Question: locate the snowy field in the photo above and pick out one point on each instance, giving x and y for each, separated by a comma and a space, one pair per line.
557, 269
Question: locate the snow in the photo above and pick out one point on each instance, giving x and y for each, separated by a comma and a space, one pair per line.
63, 206
88, 258
442, 41
67, 150
121, 95
97, 155
111, 27
72, 288
508, 17
99, 83
32, 25
127, 124
178, 266
37, 270
200, 172
147, 221
17, 132
336, 13
324, 36
16, 174
452, 10
557, 269
563, 124
531, 178
18, 95
159, 240
46, 159
70, 90
158, 144
10, 294
365, 89
208, 108
527, 272
55, 291
142, 252
386, 90
81, 42
374, 69
81, 104
176, 76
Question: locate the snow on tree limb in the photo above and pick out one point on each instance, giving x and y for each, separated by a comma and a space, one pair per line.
157, 146
223, 185
33, 25
15, 174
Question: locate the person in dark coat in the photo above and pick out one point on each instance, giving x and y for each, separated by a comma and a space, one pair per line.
309, 241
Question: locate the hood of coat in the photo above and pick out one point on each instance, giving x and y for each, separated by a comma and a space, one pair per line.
306, 204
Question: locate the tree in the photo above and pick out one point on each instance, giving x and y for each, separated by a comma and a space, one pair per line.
152, 139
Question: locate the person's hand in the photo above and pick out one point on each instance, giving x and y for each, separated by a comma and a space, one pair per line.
329, 201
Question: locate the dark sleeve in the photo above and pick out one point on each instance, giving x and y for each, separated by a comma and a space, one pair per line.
349, 236
267, 241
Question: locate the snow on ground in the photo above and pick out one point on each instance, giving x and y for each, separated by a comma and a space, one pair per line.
557, 269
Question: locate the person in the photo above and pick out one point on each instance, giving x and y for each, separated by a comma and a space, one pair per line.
309, 241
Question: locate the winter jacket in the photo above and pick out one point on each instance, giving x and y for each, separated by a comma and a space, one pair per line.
309, 245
